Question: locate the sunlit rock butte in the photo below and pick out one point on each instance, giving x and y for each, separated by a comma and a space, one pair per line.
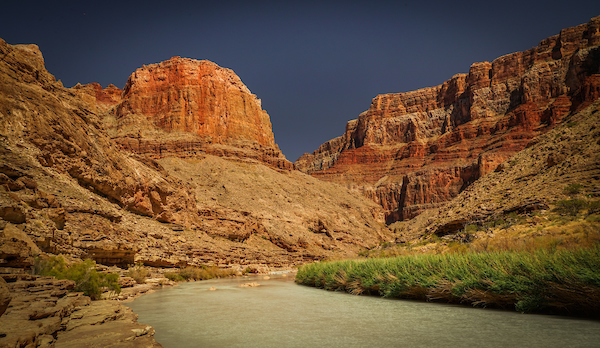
184, 107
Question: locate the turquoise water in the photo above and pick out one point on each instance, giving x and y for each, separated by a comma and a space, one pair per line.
280, 313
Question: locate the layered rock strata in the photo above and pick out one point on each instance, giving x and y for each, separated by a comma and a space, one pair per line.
67, 188
100, 99
412, 151
185, 107
43, 313
533, 179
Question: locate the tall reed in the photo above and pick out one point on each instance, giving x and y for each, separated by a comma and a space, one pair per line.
544, 281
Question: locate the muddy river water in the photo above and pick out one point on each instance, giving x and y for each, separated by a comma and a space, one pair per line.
280, 313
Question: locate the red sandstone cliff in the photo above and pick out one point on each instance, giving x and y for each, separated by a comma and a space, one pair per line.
412, 151
185, 107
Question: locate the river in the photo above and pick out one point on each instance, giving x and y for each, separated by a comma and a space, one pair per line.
280, 313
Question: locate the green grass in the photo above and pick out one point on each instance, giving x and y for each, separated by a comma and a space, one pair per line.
545, 281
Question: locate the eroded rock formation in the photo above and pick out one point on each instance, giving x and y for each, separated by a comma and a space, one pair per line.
533, 179
67, 188
412, 151
43, 313
185, 107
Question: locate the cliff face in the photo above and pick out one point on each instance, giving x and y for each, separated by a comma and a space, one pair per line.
533, 179
412, 151
66, 187
184, 107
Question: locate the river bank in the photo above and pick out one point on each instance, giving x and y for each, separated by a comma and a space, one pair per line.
565, 282
43, 312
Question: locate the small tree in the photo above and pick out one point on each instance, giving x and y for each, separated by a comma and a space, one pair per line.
573, 189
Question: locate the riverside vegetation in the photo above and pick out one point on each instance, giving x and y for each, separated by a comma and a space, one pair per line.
198, 273
93, 283
544, 281
532, 263
87, 279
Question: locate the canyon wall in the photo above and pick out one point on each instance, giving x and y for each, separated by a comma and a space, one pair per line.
70, 185
185, 107
413, 151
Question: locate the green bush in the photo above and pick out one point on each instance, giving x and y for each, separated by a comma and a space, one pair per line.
139, 273
570, 207
197, 273
173, 276
593, 218
573, 189
87, 279
593, 207
470, 228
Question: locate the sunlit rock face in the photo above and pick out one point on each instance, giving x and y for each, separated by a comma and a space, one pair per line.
412, 151
81, 177
184, 106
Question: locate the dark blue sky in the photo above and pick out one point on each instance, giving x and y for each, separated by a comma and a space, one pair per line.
314, 64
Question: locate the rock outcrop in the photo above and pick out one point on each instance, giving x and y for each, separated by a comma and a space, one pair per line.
99, 99
412, 151
534, 179
184, 107
43, 313
57, 130
67, 187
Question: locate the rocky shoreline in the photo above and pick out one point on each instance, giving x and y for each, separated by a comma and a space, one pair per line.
42, 312
37, 311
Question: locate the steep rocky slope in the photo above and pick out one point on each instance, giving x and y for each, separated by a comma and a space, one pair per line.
413, 151
67, 187
531, 181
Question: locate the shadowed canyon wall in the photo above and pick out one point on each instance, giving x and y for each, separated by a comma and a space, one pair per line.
415, 150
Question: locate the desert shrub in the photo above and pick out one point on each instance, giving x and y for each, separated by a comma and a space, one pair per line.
593, 207
471, 228
570, 207
173, 276
139, 273
593, 218
87, 279
386, 245
573, 189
